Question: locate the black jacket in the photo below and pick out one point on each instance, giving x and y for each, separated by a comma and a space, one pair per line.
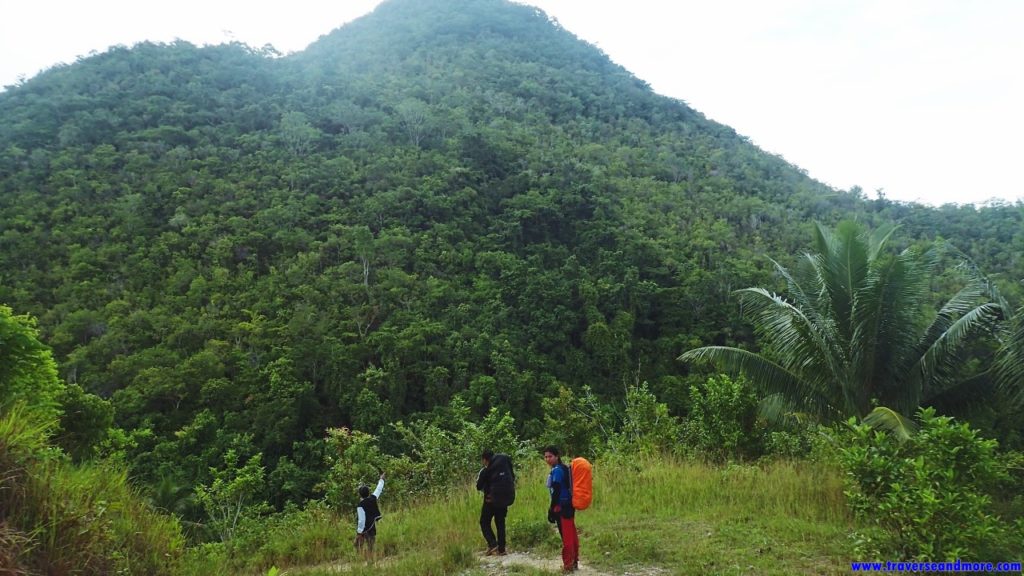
498, 481
372, 511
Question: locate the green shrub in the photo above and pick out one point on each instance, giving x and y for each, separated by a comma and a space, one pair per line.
447, 457
232, 494
28, 374
722, 423
355, 458
928, 497
57, 517
289, 538
790, 439
579, 425
647, 427
436, 458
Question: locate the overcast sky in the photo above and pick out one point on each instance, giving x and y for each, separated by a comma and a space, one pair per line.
923, 98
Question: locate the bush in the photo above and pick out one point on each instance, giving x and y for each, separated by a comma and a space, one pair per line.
791, 439
437, 458
292, 537
354, 458
449, 457
928, 497
577, 425
722, 423
57, 517
232, 494
647, 427
28, 373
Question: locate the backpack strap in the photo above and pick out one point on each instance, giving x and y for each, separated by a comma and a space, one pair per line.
568, 474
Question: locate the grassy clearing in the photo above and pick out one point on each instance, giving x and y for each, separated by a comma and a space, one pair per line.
682, 517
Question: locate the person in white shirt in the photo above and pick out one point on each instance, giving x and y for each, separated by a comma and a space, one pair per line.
367, 515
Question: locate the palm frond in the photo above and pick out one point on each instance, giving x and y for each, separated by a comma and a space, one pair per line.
974, 275
805, 302
824, 240
963, 396
889, 328
776, 409
1009, 370
842, 270
941, 353
802, 346
885, 331
770, 377
882, 418
878, 239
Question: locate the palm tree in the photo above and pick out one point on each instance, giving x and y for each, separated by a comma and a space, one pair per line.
857, 329
1010, 363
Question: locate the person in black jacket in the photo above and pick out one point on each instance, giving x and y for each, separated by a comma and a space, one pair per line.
497, 481
367, 515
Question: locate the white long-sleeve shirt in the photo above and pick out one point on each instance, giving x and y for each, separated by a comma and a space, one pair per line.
361, 514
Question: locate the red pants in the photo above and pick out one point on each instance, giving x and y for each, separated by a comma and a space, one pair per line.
570, 542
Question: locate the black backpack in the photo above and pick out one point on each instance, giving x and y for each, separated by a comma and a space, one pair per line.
502, 486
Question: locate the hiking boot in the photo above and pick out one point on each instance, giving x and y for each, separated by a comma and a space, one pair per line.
492, 551
501, 552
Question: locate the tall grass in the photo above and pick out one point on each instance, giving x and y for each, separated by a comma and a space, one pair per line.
59, 518
689, 517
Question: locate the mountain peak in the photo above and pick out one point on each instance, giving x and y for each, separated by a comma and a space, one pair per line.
407, 26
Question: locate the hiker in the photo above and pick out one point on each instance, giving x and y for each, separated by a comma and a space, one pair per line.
561, 511
367, 515
497, 481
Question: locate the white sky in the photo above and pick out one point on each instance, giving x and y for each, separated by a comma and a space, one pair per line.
924, 98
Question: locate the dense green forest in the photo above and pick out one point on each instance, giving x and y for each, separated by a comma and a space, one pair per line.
446, 211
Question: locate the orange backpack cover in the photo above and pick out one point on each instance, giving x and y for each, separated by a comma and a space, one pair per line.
582, 483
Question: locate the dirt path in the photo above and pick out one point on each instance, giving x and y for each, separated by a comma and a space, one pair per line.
499, 566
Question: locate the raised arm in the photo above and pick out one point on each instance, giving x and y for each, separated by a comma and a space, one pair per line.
380, 487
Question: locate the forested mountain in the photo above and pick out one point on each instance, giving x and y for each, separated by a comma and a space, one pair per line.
443, 200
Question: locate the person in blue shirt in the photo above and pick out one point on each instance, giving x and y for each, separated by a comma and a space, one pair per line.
560, 510
367, 515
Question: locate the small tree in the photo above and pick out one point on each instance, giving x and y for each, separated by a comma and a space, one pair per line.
354, 458
232, 493
579, 425
722, 420
647, 426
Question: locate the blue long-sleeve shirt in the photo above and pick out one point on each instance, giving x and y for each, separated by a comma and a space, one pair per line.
560, 485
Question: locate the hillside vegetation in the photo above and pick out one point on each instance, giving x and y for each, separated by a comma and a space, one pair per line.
250, 281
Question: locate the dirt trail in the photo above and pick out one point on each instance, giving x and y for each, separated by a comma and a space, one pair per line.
499, 566
494, 566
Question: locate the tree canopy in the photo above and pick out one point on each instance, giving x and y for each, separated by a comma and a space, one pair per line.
442, 202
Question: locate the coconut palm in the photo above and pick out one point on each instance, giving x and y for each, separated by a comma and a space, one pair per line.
858, 328
1010, 363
